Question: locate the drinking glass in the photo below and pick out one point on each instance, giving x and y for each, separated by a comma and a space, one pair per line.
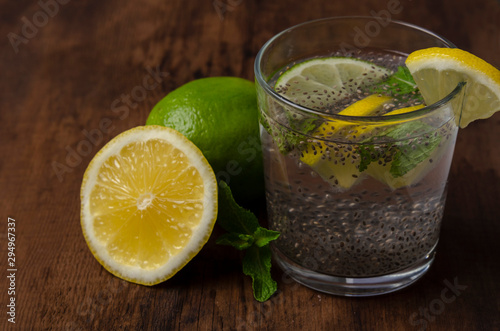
353, 224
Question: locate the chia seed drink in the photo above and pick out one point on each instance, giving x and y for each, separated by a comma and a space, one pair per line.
355, 166
367, 230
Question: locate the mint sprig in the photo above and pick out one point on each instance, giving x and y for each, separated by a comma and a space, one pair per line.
405, 153
245, 233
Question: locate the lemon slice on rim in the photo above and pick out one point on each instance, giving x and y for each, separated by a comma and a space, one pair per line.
148, 204
437, 71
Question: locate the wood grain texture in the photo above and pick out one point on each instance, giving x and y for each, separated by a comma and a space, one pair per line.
73, 76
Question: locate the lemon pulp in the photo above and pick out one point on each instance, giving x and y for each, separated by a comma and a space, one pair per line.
148, 204
437, 71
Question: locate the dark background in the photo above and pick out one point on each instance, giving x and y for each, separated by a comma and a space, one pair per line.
70, 75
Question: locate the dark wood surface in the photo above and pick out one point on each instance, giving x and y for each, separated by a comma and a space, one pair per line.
66, 76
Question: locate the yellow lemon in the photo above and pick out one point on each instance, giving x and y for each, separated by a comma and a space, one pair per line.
148, 204
437, 71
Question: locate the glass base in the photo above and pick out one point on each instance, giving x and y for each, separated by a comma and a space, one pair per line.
354, 287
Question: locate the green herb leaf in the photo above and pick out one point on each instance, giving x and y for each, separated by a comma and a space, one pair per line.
413, 151
368, 154
257, 264
231, 216
399, 83
246, 234
406, 153
237, 240
291, 139
263, 236
285, 139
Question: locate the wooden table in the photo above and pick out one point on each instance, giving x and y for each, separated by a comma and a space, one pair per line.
66, 67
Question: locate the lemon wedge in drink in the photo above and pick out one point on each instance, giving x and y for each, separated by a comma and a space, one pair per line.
319, 83
148, 204
336, 163
437, 71
381, 170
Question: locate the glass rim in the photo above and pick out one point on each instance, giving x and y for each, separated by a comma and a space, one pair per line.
378, 118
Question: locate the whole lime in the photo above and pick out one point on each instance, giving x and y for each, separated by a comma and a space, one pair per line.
220, 116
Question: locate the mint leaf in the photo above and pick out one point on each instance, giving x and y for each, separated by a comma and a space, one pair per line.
399, 83
412, 151
257, 264
291, 139
246, 234
237, 240
232, 217
406, 153
285, 139
264, 236
368, 154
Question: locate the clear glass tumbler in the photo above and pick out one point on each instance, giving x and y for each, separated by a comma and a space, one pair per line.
351, 222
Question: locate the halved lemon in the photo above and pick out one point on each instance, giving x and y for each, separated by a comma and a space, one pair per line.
148, 204
437, 71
